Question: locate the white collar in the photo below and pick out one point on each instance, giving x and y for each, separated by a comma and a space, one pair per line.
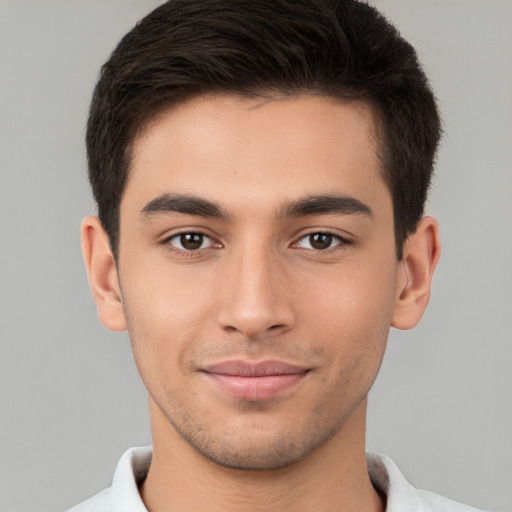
401, 496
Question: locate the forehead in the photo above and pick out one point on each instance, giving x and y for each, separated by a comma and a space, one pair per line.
254, 150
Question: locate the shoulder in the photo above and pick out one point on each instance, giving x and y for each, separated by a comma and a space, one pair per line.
100, 501
439, 503
123, 495
400, 495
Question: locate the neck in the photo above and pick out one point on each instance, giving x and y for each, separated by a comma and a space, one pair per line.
332, 478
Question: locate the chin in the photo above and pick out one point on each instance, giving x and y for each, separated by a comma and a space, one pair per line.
276, 455
258, 449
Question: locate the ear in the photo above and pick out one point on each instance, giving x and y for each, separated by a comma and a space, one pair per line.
421, 254
102, 272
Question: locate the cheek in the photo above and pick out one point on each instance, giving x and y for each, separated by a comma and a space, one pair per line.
165, 318
355, 293
162, 300
351, 310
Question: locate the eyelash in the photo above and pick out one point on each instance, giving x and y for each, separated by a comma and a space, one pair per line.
340, 242
190, 252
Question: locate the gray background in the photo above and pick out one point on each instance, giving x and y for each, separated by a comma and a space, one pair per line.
71, 401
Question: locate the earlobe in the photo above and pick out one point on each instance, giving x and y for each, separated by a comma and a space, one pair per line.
416, 269
102, 272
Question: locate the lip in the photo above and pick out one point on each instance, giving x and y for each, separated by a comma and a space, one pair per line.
255, 381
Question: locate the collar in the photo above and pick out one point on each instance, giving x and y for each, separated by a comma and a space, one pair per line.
401, 496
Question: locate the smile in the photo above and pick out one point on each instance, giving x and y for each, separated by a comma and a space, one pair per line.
260, 381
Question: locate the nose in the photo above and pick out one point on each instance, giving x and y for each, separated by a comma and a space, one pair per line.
256, 295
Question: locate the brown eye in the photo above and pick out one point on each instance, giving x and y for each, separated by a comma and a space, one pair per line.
320, 241
190, 241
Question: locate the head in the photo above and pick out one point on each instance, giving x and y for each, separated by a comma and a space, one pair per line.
260, 169
262, 49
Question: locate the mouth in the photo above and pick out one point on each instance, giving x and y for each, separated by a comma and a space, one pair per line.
255, 381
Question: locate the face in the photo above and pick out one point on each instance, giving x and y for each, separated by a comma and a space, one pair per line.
258, 273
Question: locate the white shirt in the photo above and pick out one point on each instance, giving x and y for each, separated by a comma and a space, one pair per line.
123, 495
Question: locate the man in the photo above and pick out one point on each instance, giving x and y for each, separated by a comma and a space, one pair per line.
260, 169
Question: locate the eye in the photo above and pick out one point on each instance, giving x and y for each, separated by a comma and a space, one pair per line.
190, 241
319, 241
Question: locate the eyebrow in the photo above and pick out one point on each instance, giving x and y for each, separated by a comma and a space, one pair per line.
310, 205
324, 205
183, 203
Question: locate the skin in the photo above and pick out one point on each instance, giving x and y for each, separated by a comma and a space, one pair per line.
255, 288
